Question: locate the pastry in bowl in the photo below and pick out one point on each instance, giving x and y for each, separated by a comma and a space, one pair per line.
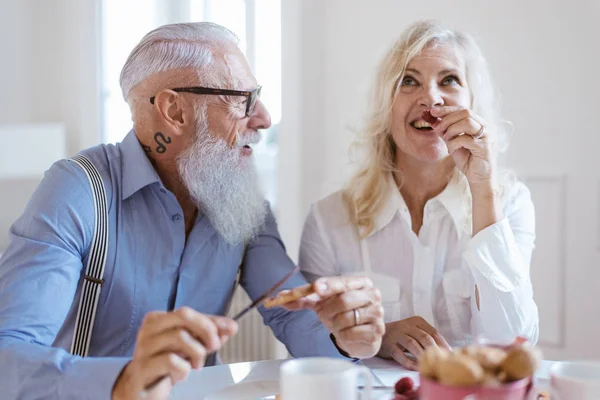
491, 372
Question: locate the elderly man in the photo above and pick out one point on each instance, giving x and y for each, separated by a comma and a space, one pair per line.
183, 209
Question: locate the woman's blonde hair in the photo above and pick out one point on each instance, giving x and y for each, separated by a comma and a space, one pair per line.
367, 189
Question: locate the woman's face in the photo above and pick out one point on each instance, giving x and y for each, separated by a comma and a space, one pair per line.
436, 77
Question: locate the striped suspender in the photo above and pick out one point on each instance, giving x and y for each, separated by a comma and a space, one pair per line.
90, 293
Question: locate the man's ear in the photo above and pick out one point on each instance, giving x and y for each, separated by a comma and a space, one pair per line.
170, 106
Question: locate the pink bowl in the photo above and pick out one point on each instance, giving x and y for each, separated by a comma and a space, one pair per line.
432, 390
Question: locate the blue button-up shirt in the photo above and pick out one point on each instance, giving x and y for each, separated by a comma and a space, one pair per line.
150, 266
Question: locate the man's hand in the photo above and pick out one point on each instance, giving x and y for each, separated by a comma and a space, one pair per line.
169, 345
350, 307
412, 334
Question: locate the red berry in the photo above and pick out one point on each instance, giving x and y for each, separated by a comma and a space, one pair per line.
428, 117
520, 340
404, 385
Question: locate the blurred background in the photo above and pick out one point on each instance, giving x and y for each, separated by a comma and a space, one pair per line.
60, 62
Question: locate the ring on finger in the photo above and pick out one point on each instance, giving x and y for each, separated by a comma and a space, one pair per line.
479, 133
356, 317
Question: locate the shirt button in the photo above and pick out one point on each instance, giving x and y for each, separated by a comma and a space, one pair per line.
176, 217
163, 190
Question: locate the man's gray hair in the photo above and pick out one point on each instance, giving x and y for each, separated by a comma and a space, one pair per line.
173, 46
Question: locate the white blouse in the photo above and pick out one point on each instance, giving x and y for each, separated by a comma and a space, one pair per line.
437, 273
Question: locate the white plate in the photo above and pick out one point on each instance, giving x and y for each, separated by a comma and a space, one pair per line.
246, 391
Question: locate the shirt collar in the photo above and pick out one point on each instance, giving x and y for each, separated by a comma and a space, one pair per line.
452, 198
138, 172
393, 203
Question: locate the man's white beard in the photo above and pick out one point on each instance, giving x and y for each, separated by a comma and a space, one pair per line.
224, 184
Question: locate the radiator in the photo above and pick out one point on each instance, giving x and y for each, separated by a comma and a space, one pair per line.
254, 341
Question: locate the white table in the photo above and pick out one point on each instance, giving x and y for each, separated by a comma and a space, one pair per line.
253, 380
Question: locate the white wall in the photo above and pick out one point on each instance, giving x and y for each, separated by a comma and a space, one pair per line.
66, 73
49, 73
15, 46
50, 65
544, 56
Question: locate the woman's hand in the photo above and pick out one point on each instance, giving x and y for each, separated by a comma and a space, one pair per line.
413, 335
465, 134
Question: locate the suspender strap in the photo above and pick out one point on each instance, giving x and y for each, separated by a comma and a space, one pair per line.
90, 293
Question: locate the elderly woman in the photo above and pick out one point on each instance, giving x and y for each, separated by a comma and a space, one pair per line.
443, 231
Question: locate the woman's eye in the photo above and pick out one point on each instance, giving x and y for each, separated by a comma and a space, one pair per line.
408, 81
451, 80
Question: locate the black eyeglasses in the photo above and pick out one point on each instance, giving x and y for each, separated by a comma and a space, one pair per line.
250, 96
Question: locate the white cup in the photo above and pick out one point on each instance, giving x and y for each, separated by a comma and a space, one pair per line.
321, 378
575, 380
